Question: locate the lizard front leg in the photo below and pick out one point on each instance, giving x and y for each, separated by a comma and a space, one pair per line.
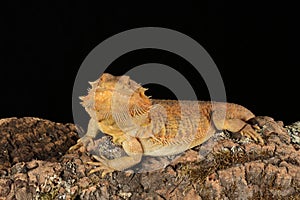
88, 137
134, 150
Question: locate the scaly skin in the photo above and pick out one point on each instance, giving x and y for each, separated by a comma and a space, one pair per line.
143, 126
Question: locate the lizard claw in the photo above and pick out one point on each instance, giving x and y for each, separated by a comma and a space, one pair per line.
249, 132
84, 141
256, 127
102, 165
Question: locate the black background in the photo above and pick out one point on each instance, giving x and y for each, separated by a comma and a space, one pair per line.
255, 47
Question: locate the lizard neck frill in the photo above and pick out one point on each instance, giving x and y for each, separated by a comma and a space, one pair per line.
88, 101
127, 113
119, 104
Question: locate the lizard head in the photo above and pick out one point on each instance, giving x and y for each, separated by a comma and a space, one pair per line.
116, 94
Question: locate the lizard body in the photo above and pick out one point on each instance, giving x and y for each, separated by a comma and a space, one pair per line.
119, 107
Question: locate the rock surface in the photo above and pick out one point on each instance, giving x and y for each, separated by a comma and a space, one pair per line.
35, 164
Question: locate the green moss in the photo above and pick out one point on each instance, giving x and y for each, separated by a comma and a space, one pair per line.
50, 195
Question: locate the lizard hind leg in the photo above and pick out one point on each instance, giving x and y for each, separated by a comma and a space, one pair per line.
236, 125
249, 131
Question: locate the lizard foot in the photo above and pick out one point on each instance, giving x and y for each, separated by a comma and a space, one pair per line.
102, 165
84, 141
249, 132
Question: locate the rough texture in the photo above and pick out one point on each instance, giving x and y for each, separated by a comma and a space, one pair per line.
29, 138
221, 168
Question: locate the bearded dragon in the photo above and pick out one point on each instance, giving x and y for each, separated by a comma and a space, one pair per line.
119, 107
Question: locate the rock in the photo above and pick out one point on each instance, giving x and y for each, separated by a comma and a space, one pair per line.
35, 164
